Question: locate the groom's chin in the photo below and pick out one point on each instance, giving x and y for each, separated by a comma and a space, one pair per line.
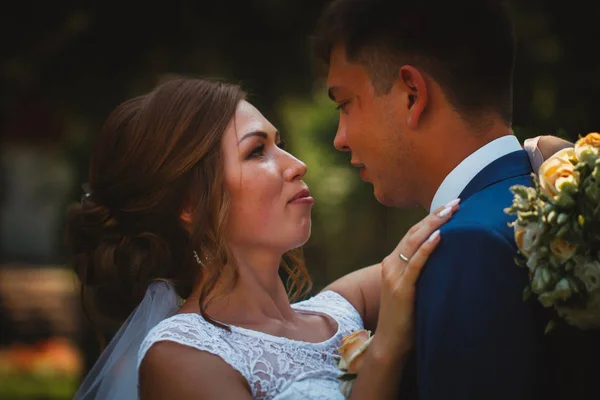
390, 199
384, 198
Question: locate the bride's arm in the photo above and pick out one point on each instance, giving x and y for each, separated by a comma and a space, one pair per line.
540, 148
173, 371
362, 288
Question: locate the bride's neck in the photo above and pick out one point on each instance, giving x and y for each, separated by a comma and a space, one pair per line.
258, 295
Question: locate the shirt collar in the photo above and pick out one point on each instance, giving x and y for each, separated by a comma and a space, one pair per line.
463, 173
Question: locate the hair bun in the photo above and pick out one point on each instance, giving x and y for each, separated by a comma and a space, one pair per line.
115, 267
87, 223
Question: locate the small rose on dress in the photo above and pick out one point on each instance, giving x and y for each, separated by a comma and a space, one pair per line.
353, 349
352, 353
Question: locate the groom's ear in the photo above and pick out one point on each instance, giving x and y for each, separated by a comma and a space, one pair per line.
413, 83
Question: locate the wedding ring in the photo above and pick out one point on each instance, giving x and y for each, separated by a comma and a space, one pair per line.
403, 257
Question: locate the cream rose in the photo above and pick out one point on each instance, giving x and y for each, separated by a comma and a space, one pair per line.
587, 318
556, 171
588, 146
526, 237
589, 273
562, 249
353, 349
533, 260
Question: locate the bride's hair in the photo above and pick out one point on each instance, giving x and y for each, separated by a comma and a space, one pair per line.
156, 155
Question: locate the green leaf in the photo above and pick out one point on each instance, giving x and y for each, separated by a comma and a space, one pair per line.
562, 231
526, 293
549, 327
520, 262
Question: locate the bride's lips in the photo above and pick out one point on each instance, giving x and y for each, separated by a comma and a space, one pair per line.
302, 197
362, 169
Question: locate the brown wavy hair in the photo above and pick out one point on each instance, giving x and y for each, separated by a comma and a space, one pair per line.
156, 155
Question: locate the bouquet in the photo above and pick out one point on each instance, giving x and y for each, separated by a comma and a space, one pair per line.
557, 231
352, 351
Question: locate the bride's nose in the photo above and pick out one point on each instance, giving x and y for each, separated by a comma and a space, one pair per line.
295, 169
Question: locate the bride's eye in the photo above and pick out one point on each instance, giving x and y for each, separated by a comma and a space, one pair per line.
257, 152
342, 106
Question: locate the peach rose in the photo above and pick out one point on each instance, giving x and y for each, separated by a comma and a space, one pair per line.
353, 349
589, 144
557, 171
562, 249
526, 237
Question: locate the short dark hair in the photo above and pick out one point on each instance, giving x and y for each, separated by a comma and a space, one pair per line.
467, 46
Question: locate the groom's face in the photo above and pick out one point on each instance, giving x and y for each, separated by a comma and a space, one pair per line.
372, 127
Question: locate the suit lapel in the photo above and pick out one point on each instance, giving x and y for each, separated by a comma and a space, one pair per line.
510, 166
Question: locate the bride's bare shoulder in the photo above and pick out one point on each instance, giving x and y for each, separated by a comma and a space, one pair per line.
172, 370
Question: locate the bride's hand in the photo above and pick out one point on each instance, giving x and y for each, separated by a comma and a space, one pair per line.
395, 328
384, 359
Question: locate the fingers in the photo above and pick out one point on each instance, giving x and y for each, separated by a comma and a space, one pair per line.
418, 260
422, 230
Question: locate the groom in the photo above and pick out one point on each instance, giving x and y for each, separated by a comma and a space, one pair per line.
425, 96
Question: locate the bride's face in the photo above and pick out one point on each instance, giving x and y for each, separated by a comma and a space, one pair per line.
269, 203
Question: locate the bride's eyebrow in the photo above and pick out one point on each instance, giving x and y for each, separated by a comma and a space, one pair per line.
261, 134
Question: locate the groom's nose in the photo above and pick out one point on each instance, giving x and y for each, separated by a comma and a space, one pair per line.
339, 142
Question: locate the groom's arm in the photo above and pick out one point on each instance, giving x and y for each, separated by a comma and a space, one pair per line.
476, 338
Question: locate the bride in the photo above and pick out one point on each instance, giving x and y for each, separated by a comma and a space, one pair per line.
193, 196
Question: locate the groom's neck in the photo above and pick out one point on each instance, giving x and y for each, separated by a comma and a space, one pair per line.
453, 144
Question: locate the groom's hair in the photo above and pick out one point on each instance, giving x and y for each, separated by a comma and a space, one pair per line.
466, 46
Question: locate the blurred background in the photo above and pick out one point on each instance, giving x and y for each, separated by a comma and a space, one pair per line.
65, 65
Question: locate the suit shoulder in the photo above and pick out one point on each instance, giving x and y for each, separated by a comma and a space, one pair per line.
484, 210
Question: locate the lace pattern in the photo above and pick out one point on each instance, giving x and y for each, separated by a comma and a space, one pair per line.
274, 367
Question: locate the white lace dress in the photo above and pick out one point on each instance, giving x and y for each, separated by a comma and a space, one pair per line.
274, 367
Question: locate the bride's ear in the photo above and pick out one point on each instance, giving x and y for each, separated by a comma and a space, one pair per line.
186, 216
413, 83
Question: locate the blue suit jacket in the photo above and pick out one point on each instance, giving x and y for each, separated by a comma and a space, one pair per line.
475, 336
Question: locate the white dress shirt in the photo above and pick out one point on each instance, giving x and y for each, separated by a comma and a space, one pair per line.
459, 178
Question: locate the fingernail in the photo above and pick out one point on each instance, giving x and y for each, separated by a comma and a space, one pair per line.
453, 203
444, 213
434, 236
